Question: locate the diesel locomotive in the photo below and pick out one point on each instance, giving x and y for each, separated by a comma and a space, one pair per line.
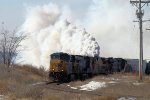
66, 67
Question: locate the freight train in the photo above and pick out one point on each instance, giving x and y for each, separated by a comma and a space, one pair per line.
66, 67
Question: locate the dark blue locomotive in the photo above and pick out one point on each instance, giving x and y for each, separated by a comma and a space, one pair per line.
65, 67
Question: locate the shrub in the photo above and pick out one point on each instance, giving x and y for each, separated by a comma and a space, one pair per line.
3, 87
28, 92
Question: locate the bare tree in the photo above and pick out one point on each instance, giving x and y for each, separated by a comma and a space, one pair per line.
9, 46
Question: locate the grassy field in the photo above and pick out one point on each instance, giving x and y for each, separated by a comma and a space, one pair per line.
16, 82
29, 83
19, 83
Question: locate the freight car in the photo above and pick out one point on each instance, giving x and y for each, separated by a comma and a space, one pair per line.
147, 70
65, 67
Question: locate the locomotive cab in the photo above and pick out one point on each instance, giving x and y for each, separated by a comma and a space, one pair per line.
58, 66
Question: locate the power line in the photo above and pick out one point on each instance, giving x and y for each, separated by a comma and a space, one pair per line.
140, 13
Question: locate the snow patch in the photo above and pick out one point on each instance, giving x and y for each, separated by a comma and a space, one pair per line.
137, 83
2, 97
38, 83
129, 98
112, 82
93, 86
74, 88
113, 79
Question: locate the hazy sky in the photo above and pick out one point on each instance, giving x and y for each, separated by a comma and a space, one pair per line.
110, 22
13, 12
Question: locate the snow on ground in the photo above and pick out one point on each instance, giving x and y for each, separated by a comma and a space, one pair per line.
136, 83
93, 86
2, 97
38, 83
129, 98
113, 79
112, 82
74, 88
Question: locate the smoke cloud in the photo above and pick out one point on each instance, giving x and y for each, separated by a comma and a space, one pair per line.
110, 21
48, 31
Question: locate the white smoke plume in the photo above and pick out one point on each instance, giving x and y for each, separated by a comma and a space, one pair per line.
111, 21
48, 31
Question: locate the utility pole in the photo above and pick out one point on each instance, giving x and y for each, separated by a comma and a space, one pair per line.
139, 12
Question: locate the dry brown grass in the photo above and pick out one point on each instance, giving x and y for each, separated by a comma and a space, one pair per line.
28, 69
17, 84
54, 95
27, 92
17, 81
3, 87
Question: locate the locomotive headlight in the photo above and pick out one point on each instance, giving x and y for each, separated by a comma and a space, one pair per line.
62, 70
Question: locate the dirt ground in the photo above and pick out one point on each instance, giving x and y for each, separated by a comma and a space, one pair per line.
118, 86
29, 83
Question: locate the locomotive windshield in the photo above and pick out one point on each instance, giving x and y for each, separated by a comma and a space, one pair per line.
60, 56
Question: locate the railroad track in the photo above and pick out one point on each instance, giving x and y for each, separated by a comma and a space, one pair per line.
62, 88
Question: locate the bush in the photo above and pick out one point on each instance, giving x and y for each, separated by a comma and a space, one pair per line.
27, 92
34, 70
17, 81
3, 87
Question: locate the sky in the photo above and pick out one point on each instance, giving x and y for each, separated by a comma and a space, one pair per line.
13, 11
109, 21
